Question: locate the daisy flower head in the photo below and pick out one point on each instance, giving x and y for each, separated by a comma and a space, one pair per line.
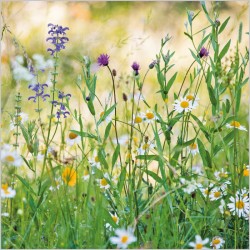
85, 175
10, 157
138, 118
183, 105
108, 118
123, 238
7, 192
95, 162
73, 138
197, 169
217, 242
236, 125
239, 205
199, 243
193, 99
222, 174
69, 176
193, 148
145, 147
190, 186
205, 191
103, 183
216, 194
149, 116
20, 118
56, 184
115, 218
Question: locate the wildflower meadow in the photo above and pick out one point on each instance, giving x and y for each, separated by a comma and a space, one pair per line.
103, 149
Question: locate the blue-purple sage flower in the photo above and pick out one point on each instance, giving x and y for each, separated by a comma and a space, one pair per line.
135, 66
57, 38
39, 91
203, 52
103, 60
61, 107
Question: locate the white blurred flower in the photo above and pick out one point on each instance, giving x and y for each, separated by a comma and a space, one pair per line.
7, 192
221, 174
193, 99
193, 149
199, 243
237, 125
73, 138
124, 238
217, 242
216, 194
10, 157
145, 147
239, 205
183, 105
21, 118
149, 116
85, 175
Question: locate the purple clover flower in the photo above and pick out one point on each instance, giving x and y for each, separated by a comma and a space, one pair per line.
135, 66
203, 52
103, 60
57, 38
39, 91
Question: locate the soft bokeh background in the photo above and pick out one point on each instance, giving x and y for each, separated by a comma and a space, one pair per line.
127, 31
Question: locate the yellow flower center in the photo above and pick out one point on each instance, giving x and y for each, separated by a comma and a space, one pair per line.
223, 175
184, 104
239, 204
124, 239
235, 124
9, 158
86, 172
145, 146
246, 172
138, 119
135, 139
190, 97
103, 182
216, 241
166, 100
198, 246
5, 188
97, 159
69, 176
72, 136
150, 115
193, 146
217, 194
115, 218
206, 192
19, 118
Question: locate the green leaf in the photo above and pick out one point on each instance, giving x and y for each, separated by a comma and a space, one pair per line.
115, 155
201, 126
225, 49
157, 178
121, 179
223, 25
27, 163
203, 41
244, 82
211, 95
238, 99
85, 134
148, 157
101, 156
204, 154
203, 5
26, 184
188, 35
197, 59
170, 82
106, 114
91, 107
107, 131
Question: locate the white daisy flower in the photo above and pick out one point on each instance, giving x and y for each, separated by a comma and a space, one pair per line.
222, 206
237, 125
124, 238
149, 116
7, 192
5, 214
123, 140
9, 157
183, 105
103, 183
199, 243
193, 99
56, 184
95, 162
239, 205
221, 174
190, 187
115, 218
193, 149
85, 175
138, 118
217, 242
216, 194
145, 147
137, 96
197, 169
21, 118
73, 138
205, 191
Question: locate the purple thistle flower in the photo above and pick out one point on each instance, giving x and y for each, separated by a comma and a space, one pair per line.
39, 91
103, 60
135, 66
203, 52
57, 38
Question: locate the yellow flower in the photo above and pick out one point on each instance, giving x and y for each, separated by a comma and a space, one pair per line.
69, 176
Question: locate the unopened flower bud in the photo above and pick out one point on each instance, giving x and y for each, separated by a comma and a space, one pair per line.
114, 72
124, 97
88, 98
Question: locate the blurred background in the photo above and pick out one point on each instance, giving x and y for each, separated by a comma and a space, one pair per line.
127, 31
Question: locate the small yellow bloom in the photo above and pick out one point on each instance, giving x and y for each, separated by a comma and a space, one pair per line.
69, 176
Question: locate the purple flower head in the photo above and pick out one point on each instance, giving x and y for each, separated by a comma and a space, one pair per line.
57, 37
39, 91
103, 60
135, 66
203, 52
61, 107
